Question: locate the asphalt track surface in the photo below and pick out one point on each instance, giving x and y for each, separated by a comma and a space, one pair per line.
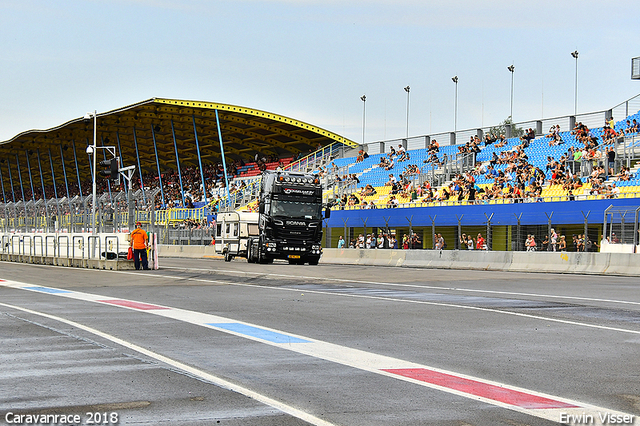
202, 342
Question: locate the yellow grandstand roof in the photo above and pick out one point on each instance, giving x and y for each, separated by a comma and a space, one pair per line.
245, 131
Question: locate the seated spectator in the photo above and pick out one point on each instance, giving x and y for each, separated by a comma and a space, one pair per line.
391, 180
501, 141
389, 165
404, 156
368, 190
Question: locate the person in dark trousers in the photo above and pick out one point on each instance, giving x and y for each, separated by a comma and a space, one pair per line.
139, 241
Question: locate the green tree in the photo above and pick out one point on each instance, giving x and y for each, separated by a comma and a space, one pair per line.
501, 129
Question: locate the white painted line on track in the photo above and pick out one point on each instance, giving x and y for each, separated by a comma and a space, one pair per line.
460, 289
186, 368
392, 299
522, 400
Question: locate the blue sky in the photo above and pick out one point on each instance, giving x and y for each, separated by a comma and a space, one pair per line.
312, 59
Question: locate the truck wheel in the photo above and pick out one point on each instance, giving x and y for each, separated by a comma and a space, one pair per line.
250, 258
314, 261
228, 257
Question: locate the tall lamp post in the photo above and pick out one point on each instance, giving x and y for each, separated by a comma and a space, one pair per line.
512, 69
92, 150
363, 98
575, 55
407, 89
455, 112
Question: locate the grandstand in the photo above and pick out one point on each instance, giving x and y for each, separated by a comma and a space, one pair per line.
449, 190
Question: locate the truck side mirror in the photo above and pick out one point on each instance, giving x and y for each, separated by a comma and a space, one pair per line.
327, 213
261, 208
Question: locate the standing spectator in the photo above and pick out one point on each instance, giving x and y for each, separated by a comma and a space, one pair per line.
139, 241
469, 242
562, 245
611, 161
480, 242
463, 241
393, 243
374, 241
532, 243
341, 242
553, 240
415, 242
439, 242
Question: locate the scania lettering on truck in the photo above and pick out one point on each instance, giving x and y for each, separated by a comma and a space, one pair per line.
289, 220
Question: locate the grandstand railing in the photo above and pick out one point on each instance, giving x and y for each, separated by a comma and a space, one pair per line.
495, 201
316, 159
309, 163
567, 122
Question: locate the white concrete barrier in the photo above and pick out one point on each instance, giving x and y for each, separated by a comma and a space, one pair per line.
79, 250
552, 262
193, 252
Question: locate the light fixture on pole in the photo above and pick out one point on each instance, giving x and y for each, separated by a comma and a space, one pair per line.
407, 89
512, 69
363, 98
455, 114
575, 111
92, 150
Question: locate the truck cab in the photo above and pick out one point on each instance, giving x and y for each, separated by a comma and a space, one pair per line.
290, 219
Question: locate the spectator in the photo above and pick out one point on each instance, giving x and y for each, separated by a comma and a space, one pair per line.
415, 242
531, 243
553, 240
463, 241
341, 242
562, 245
469, 242
480, 243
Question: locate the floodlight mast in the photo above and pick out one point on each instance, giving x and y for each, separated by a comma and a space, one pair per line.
93, 150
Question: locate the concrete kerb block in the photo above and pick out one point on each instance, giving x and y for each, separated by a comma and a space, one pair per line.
623, 264
340, 256
530, 261
483, 260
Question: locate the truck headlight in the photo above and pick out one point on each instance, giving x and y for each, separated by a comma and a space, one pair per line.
271, 245
315, 247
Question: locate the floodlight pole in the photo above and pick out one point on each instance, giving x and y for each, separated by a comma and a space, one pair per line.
511, 69
94, 187
455, 112
407, 89
364, 114
575, 111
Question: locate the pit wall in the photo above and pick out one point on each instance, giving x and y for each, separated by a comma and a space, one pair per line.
554, 262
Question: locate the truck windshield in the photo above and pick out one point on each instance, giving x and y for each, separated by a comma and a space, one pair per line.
296, 209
